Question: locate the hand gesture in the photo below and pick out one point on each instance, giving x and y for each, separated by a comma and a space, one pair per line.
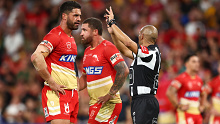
109, 14
56, 87
201, 108
183, 107
104, 99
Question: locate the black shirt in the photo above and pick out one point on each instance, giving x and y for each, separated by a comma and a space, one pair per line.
144, 71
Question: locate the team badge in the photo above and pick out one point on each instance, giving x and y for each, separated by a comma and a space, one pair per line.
68, 44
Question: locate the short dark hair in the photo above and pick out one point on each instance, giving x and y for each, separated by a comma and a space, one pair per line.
68, 6
186, 59
94, 23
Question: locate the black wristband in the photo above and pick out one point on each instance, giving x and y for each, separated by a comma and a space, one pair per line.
111, 22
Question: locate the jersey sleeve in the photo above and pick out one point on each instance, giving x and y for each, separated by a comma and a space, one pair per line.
208, 87
112, 54
176, 83
50, 41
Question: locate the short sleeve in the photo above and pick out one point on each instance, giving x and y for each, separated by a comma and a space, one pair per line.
176, 83
50, 41
112, 54
208, 87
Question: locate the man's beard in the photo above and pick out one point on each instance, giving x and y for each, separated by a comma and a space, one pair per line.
71, 25
87, 40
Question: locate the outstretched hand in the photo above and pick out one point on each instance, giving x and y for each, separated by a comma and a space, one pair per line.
108, 17
56, 87
110, 14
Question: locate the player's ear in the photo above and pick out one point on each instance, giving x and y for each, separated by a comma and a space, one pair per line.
64, 16
141, 36
95, 31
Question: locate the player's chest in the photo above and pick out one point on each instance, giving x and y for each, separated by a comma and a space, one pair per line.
192, 85
93, 59
66, 46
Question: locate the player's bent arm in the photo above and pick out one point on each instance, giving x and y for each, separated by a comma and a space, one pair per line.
121, 74
130, 44
171, 94
121, 47
82, 82
38, 60
203, 101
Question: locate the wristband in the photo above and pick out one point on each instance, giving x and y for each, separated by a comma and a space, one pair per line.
111, 22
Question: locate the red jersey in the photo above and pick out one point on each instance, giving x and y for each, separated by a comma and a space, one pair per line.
98, 64
165, 104
214, 89
60, 61
189, 89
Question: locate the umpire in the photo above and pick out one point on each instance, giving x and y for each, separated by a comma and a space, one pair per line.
144, 70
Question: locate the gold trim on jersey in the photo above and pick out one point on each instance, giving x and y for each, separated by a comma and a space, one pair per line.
211, 119
99, 83
64, 76
216, 103
105, 113
101, 87
53, 103
181, 117
193, 106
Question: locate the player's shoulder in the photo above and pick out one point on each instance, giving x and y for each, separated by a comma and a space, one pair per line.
56, 32
199, 78
182, 76
215, 80
152, 47
106, 43
87, 48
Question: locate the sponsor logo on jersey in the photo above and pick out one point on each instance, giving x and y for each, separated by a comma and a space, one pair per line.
93, 70
68, 58
46, 112
114, 58
218, 95
144, 49
191, 94
112, 121
47, 44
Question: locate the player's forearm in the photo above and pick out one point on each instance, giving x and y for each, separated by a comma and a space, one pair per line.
40, 65
172, 98
120, 46
203, 98
122, 72
82, 82
122, 36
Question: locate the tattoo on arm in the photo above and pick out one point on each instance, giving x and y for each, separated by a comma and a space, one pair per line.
120, 77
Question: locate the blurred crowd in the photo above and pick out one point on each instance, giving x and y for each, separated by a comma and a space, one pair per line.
185, 26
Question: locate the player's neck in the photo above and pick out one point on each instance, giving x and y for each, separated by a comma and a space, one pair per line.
147, 44
191, 73
65, 29
96, 41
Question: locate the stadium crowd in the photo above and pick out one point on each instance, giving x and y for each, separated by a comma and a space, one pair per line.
185, 26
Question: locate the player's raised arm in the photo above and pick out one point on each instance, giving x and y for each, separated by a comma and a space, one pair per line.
130, 44
120, 46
